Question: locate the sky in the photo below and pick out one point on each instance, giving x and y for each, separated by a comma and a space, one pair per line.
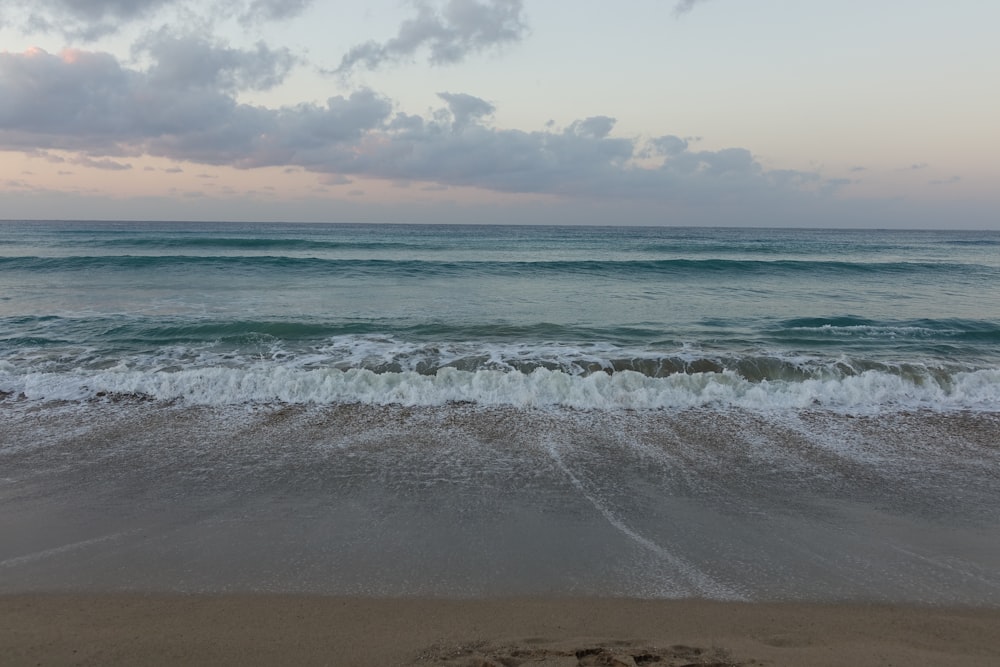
815, 113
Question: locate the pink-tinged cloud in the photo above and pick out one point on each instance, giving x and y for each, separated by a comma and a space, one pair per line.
89, 103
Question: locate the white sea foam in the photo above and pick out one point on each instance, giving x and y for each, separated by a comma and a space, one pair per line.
870, 391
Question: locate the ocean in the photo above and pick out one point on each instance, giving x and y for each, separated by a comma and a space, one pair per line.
587, 318
466, 410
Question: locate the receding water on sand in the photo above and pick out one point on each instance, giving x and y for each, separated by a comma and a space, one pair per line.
467, 500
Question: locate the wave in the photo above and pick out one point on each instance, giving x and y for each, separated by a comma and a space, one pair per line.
251, 243
765, 248
867, 392
837, 329
626, 269
790, 350
131, 329
250, 367
985, 243
823, 331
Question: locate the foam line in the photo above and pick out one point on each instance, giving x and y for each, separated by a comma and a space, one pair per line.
700, 582
66, 548
868, 392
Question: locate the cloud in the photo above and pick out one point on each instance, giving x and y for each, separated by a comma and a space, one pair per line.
335, 179
667, 145
86, 101
584, 160
90, 105
272, 10
944, 181
465, 108
188, 60
596, 127
45, 155
684, 6
96, 10
69, 101
86, 20
453, 32
106, 164
89, 20
833, 185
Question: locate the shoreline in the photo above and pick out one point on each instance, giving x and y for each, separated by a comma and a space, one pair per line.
165, 628
467, 501
474, 537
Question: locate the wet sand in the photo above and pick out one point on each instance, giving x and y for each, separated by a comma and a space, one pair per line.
125, 629
141, 533
462, 501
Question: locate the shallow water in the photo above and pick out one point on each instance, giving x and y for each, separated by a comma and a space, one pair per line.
465, 501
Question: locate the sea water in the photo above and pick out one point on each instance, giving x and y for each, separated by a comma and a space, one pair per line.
481, 410
524, 316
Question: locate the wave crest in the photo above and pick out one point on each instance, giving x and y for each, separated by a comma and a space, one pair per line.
869, 391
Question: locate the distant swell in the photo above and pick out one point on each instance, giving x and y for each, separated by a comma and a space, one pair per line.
839, 329
415, 268
249, 243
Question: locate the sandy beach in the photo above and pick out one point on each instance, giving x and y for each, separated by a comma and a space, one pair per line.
125, 629
136, 533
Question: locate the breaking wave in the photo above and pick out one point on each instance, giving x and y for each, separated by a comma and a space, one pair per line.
867, 391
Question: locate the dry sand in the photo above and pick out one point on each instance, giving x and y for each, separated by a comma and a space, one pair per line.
127, 629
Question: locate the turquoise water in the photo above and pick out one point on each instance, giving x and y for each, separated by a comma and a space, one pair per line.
575, 316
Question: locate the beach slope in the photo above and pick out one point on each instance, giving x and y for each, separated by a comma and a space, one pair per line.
120, 629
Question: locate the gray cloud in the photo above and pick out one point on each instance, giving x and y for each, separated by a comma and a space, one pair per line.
684, 6
183, 61
669, 144
89, 20
335, 179
465, 108
99, 10
595, 127
77, 19
944, 181
73, 101
88, 104
582, 160
272, 10
450, 34
834, 185
44, 155
106, 164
